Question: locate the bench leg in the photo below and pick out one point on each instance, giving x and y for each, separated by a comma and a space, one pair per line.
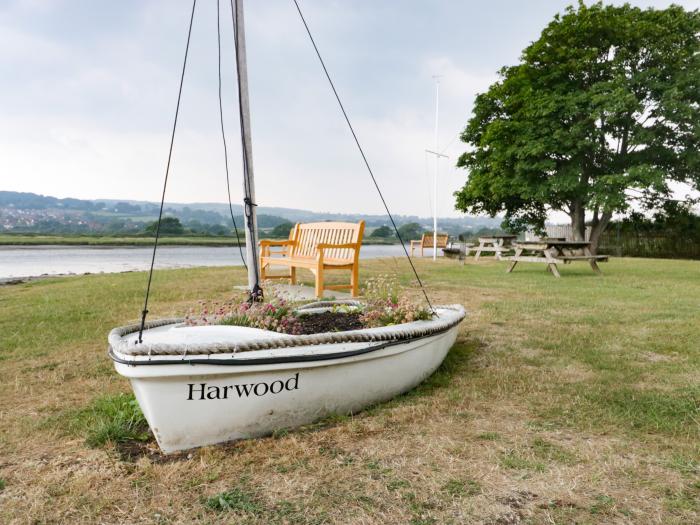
553, 268
319, 282
292, 275
478, 254
513, 262
594, 263
355, 280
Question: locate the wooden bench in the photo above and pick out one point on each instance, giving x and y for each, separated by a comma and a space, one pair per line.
426, 241
318, 247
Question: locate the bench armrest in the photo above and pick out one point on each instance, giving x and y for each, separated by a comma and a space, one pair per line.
268, 242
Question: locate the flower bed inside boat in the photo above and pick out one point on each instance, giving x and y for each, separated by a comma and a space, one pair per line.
383, 306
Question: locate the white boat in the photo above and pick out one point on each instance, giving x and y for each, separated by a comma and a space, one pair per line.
198, 385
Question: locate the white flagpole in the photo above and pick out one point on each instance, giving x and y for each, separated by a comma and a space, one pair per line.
437, 165
438, 155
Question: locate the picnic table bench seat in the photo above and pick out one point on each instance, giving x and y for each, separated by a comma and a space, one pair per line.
318, 247
602, 258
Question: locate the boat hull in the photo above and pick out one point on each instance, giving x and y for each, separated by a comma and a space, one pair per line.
191, 405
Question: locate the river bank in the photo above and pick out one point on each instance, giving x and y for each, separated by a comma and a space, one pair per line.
21, 263
105, 240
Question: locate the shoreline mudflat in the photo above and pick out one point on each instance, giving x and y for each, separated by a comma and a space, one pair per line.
87, 240
28, 262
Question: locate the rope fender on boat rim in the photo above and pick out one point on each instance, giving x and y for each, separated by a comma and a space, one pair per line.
402, 332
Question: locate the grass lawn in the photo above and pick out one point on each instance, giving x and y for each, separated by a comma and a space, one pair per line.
572, 400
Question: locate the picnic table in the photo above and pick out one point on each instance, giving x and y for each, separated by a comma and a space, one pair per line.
554, 251
494, 243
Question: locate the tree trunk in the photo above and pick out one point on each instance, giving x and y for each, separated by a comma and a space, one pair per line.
597, 230
578, 221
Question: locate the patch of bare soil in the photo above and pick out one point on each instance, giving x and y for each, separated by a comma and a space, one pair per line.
329, 322
131, 451
515, 502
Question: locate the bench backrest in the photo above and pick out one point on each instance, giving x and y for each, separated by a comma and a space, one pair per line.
307, 236
427, 240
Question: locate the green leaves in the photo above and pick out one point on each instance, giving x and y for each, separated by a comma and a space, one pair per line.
608, 98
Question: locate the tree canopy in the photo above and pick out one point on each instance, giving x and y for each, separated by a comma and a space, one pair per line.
604, 103
282, 230
168, 226
383, 232
410, 231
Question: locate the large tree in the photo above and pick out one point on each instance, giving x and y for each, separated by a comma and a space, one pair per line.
604, 103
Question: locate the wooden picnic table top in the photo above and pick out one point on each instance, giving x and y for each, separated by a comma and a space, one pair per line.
552, 242
487, 237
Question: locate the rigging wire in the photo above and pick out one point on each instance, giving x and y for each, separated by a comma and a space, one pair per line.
459, 133
256, 294
362, 153
223, 134
144, 312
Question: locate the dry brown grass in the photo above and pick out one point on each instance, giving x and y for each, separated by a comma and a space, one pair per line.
572, 400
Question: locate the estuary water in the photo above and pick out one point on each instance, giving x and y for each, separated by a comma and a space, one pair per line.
32, 261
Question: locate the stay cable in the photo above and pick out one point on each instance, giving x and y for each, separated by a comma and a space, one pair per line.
362, 153
144, 312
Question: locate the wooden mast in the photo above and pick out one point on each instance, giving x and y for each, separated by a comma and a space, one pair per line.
251, 223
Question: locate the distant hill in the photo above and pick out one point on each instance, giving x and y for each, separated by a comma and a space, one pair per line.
30, 212
297, 215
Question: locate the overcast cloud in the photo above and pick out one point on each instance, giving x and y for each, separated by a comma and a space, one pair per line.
89, 87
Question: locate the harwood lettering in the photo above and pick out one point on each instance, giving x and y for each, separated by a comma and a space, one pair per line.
244, 388
193, 389
202, 391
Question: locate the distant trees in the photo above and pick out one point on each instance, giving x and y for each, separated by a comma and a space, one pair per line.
673, 218
411, 231
282, 230
471, 235
32, 201
168, 226
605, 102
383, 232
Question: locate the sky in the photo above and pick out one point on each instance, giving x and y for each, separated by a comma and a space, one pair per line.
88, 91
